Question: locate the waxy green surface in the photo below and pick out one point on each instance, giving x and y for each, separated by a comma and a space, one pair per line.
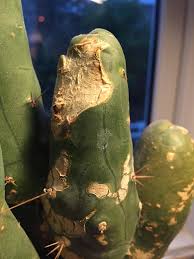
166, 152
19, 121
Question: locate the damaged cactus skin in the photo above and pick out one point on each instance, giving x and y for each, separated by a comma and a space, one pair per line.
20, 106
93, 206
166, 152
14, 242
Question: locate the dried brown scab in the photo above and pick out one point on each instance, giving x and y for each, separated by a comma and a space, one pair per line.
101, 239
82, 83
102, 226
57, 178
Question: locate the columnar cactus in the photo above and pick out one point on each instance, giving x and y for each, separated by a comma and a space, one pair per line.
20, 108
166, 152
92, 161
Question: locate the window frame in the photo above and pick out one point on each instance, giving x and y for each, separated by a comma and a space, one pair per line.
174, 79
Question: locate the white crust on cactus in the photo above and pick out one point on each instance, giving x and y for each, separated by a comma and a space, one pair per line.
102, 191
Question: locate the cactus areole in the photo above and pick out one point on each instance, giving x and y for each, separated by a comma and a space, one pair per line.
93, 207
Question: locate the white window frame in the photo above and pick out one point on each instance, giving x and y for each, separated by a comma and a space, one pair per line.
173, 97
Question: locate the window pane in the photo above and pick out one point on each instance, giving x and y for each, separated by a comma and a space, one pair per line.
52, 24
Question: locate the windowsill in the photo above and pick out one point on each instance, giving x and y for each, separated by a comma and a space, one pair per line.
182, 246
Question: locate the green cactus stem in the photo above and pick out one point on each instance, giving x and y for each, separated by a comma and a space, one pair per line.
14, 242
165, 151
93, 207
20, 106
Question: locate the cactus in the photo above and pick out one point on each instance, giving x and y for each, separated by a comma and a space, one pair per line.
91, 205
166, 152
20, 107
91, 156
14, 242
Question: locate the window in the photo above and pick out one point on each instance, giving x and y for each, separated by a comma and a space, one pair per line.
174, 90
52, 24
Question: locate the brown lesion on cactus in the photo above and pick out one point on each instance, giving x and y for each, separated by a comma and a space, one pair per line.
9, 180
122, 73
101, 239
82, 83
57, 178
63, 225
102, 226
11, 194
102, 191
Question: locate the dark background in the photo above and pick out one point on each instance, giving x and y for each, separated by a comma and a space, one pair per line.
51, 25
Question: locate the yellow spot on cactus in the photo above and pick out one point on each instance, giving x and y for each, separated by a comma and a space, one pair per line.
186, 193
140, 254
12, 34
2, 228
20, 27
170, 156
102, 226
172, 221
148, 228
122, 73
158, 205
140, 205
172, 167
18, 224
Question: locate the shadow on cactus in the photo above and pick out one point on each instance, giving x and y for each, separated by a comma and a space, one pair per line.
89, 203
